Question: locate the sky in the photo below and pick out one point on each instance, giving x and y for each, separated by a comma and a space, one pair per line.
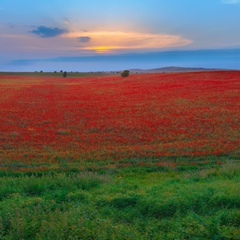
95, 35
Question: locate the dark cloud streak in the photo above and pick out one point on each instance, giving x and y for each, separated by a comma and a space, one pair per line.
47, 32
84, 39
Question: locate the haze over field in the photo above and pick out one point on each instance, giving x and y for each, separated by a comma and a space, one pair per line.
93, 35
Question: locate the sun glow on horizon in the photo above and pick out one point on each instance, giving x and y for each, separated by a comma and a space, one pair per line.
114, 41
102, 49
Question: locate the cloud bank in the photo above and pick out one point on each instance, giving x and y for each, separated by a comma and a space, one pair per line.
111, 42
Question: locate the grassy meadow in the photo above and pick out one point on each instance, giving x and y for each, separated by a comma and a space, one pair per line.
151, 156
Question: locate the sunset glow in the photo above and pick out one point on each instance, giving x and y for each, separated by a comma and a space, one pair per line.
33, 34
126, 41
102, 49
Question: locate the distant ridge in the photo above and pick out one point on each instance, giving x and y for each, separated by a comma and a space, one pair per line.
174, 69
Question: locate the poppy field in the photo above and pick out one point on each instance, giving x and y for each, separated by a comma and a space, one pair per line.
150, 156
48, 120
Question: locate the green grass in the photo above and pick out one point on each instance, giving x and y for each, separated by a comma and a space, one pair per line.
201, 202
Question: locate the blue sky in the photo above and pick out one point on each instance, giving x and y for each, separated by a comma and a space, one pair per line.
34, 33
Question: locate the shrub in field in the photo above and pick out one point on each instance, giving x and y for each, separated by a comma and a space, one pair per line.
125, 73
65, 74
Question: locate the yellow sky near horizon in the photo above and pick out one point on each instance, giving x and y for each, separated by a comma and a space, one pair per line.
115, 41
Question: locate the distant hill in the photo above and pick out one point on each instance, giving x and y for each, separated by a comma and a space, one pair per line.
173, 69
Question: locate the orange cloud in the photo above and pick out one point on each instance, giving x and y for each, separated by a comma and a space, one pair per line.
106, 42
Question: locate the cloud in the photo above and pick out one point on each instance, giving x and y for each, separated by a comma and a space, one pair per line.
231, 1
11, 25
47, 32
111, 42
84, 39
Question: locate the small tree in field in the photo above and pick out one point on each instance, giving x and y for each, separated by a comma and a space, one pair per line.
65, 74
125, 73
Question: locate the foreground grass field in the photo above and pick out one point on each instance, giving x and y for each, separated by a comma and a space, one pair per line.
152, 156
132, 203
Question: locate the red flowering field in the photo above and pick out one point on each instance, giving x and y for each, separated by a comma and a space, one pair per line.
44, 120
